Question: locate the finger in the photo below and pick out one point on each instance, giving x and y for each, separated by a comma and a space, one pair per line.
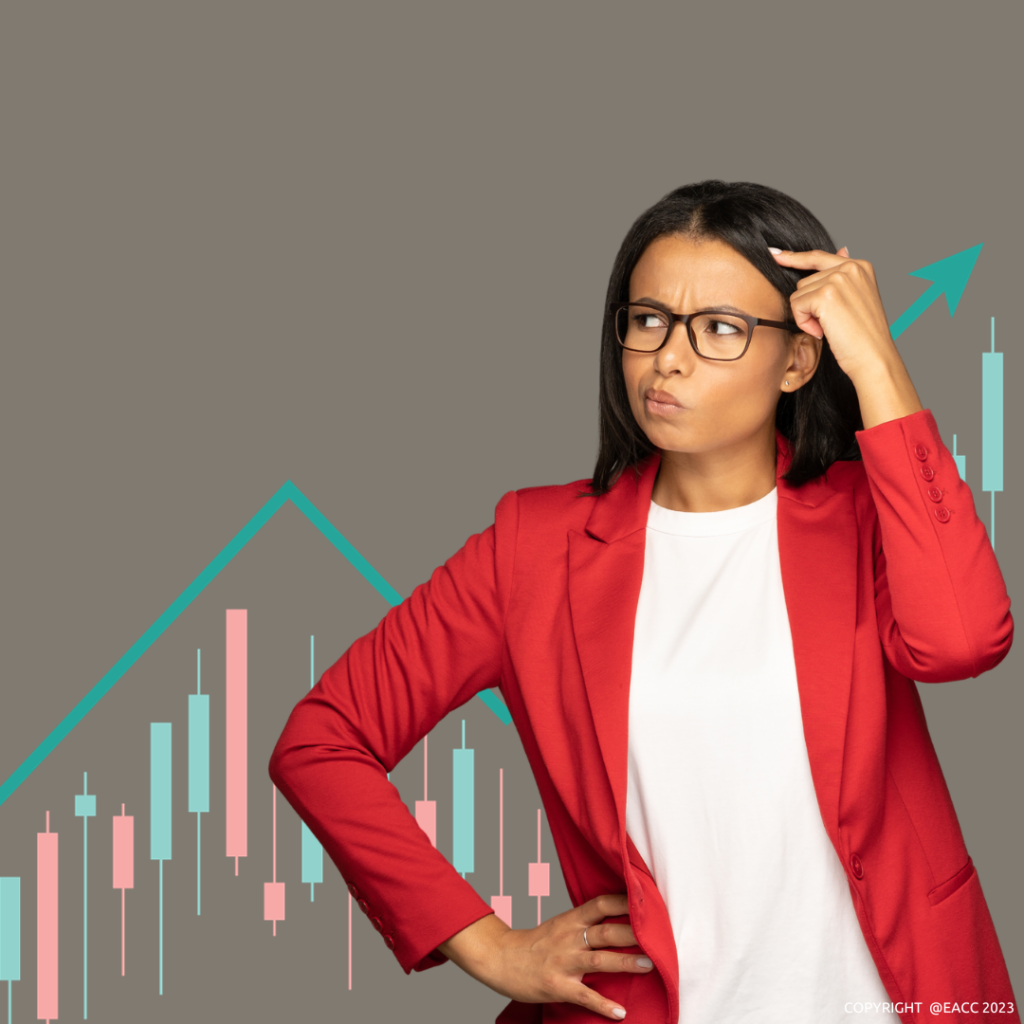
811, 259
612, 934
805, 320
605, 934
609, 904
614, 963
843, 252
812, 326
815, 280
584, 996
594, 961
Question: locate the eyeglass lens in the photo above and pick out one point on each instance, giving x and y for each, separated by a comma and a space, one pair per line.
718, 335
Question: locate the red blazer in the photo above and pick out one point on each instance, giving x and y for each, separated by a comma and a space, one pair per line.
889, 577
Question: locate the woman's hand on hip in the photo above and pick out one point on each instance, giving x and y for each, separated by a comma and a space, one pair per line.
546, 964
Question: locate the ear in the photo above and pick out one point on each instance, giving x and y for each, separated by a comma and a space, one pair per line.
804, 356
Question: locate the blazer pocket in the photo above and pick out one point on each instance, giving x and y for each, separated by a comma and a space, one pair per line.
950, 885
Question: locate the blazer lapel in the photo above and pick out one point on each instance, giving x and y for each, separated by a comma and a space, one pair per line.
817, 552
606, 564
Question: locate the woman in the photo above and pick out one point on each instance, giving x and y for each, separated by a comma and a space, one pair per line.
774, 544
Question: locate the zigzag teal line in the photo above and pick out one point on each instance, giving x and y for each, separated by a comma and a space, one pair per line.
287, 491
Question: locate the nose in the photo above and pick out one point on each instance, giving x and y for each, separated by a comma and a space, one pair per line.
677, 354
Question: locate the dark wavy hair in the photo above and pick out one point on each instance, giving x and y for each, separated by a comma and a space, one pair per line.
821, 417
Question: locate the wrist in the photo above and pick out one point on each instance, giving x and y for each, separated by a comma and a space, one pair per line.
473, 946
876, 366
885, 391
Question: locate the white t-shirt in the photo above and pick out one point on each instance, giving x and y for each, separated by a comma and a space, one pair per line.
720, 801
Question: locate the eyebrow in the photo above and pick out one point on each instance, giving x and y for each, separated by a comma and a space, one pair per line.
723, 306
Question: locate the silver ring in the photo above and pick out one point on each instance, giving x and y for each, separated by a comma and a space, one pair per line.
589, 946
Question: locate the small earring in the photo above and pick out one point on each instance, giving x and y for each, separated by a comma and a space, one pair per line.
787, 383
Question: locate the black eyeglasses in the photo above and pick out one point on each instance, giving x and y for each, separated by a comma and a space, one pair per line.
713, 333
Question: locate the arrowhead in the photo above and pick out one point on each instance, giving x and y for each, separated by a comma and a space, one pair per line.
951, 274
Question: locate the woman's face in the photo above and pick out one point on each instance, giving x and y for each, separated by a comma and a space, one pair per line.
721, 404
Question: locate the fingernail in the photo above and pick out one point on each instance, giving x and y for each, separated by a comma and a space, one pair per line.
644, 961
619, 1012
771, 248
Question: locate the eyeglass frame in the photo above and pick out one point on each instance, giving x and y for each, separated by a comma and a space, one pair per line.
685, 318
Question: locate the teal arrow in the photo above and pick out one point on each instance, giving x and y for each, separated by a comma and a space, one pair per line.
286, 491
949, 275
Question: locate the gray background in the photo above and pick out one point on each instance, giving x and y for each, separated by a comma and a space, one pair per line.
232, 237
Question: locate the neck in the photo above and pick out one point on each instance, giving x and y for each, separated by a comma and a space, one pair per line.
725, 477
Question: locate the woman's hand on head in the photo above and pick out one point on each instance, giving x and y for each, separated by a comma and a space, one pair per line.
841, 301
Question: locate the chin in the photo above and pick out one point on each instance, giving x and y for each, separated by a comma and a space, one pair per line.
669, 440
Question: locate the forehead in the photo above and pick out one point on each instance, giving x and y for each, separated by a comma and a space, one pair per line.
677, 270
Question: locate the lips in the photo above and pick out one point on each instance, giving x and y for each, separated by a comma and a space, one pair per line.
662, 396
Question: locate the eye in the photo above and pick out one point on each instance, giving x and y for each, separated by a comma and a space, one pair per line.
730, 329
648, 320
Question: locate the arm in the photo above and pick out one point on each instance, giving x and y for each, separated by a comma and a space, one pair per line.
427, 656
943, 611
942, 606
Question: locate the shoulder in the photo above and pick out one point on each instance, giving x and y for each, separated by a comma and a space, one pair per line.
846, 475
547, 511
560, 500
849, 478
844, 482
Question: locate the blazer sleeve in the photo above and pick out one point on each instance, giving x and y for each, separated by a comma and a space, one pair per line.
426, 657
941, 602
